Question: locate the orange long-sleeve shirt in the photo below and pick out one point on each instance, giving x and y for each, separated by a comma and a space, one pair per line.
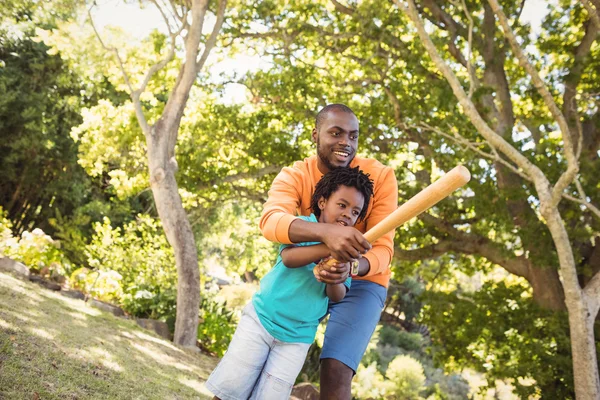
292, 191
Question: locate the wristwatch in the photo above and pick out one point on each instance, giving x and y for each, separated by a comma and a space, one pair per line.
354, 268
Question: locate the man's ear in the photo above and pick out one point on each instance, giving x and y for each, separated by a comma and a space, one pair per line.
321, 203
314, 135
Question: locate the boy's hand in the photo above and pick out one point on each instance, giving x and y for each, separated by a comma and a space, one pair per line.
332, 274
345, 243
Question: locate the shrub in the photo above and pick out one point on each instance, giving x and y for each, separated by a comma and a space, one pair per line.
407, 377
140, 254
369, 383
35, 249
104, 285
217, 326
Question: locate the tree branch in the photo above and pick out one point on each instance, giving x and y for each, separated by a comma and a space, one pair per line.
170, 55
582, 199
572, 165
468, 107
135, 96
269, 169
210, 43
342, 8
592, 294
464, 243
593, 11
464, 142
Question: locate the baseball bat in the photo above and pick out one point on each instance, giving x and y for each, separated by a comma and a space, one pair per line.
422, 201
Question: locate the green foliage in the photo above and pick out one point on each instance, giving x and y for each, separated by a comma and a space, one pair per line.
369, 383
402, 339
499, 331
140, 254
103, 285
407, 377
5, 230
38, 251
216, 327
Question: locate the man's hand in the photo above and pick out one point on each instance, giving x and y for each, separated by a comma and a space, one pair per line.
332, 274
345, 243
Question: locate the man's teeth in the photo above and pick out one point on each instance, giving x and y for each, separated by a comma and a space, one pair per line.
339, 153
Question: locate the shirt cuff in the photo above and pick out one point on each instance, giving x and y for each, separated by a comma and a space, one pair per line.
282, 231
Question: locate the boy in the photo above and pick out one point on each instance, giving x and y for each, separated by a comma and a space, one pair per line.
279, 324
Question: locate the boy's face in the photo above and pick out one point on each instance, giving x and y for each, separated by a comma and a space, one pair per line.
342, 207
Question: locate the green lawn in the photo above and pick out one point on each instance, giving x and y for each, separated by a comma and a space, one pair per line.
53, 347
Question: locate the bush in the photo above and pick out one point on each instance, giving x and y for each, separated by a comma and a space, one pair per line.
402, 339
217, 326
35, 249
104, 285
369, 383
407, 377
140, 254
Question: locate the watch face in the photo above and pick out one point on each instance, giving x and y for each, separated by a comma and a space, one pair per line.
354, 269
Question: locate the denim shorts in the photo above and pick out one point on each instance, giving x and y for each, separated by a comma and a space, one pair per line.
352, 322
256, 365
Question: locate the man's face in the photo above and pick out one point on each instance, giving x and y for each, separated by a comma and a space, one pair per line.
337, 140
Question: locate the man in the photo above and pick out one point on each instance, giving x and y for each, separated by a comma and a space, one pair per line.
353, 320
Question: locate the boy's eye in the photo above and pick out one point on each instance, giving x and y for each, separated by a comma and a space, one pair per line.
342, 205
355, 213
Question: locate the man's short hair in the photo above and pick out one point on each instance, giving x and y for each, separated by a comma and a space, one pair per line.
331, 107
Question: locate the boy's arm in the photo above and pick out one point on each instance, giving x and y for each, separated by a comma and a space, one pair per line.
295, 257
279, 224
335, 292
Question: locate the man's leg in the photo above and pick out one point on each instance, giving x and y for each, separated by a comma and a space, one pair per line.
351, 324
336, 379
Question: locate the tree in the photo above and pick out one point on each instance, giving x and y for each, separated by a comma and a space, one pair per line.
582, 303
532, 150
187, 20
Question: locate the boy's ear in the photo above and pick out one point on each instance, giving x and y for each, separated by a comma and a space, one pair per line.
322, 203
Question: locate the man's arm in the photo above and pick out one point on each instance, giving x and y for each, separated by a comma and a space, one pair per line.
280, 208
345, 243
279, 224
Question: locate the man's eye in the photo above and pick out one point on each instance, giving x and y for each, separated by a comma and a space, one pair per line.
353, 137
335, 133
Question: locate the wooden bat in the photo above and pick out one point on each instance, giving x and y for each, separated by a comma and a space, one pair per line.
422, 201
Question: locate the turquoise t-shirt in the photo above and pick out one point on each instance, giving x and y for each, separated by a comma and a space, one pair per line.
291, 301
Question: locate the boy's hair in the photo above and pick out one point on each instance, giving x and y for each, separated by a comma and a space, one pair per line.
351, 177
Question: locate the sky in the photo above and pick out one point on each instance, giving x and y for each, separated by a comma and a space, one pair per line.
118, 13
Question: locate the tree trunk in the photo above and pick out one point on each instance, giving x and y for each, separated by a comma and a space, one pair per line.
179, 234
546, 286
585, 361
581, 320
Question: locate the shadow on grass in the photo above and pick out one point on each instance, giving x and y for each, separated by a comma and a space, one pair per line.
60, 348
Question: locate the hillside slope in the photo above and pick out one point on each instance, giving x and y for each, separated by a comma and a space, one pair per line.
54, 347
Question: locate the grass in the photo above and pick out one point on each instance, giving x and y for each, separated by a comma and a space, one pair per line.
53, 347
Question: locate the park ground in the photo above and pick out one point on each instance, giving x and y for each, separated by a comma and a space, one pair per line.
54, 347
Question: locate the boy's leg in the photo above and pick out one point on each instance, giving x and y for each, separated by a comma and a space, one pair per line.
239, 369
352, 322
283, 365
